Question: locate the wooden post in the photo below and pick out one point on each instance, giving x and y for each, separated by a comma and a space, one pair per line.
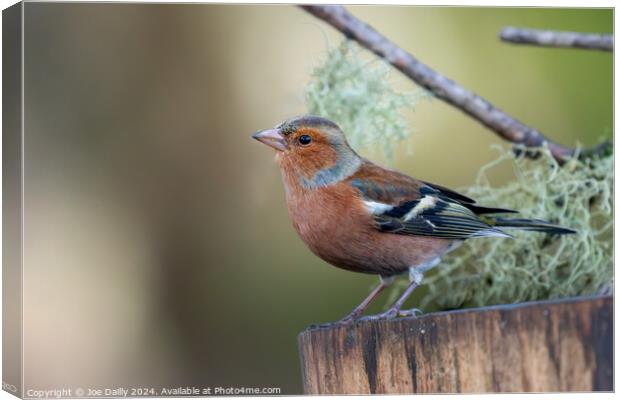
550, 346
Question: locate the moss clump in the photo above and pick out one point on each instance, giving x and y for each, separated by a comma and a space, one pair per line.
355, 92
534, 266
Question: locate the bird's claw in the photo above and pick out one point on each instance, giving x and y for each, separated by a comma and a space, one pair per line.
413, 312
392, 313
348, 320
389, 314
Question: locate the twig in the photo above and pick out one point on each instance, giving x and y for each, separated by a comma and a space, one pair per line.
590, 41
470, 103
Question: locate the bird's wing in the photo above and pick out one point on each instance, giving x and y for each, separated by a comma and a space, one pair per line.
402, 205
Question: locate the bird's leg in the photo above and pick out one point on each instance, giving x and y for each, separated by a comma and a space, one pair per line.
359, 310
401, 300
394, 310
416, 274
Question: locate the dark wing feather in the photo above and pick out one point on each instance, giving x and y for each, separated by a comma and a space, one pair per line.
402, 205
449, 193
432, 216
452, 196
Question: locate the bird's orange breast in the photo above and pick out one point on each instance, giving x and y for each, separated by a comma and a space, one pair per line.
335, 224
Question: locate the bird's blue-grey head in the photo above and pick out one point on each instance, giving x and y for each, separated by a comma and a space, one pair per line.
315, 148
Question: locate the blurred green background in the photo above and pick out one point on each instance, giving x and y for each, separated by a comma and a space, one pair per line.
158, 249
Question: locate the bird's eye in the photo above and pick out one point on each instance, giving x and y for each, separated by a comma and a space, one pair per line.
305, 140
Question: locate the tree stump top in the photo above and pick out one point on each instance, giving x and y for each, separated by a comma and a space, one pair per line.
560, 345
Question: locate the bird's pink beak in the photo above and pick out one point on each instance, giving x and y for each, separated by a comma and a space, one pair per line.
272, 138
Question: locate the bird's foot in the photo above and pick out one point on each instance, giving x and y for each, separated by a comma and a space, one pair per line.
391, 313
348, 320
413, 312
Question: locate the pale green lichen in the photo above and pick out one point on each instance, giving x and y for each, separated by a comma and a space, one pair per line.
355, 92
534, 266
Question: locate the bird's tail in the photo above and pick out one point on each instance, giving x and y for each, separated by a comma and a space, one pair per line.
536, 225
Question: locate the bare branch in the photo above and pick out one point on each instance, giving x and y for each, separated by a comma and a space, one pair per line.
590, 41
449, 91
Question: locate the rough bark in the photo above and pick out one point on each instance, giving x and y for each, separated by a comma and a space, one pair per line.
589, 41
551, 346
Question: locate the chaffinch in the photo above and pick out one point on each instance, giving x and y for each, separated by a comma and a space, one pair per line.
365, 218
